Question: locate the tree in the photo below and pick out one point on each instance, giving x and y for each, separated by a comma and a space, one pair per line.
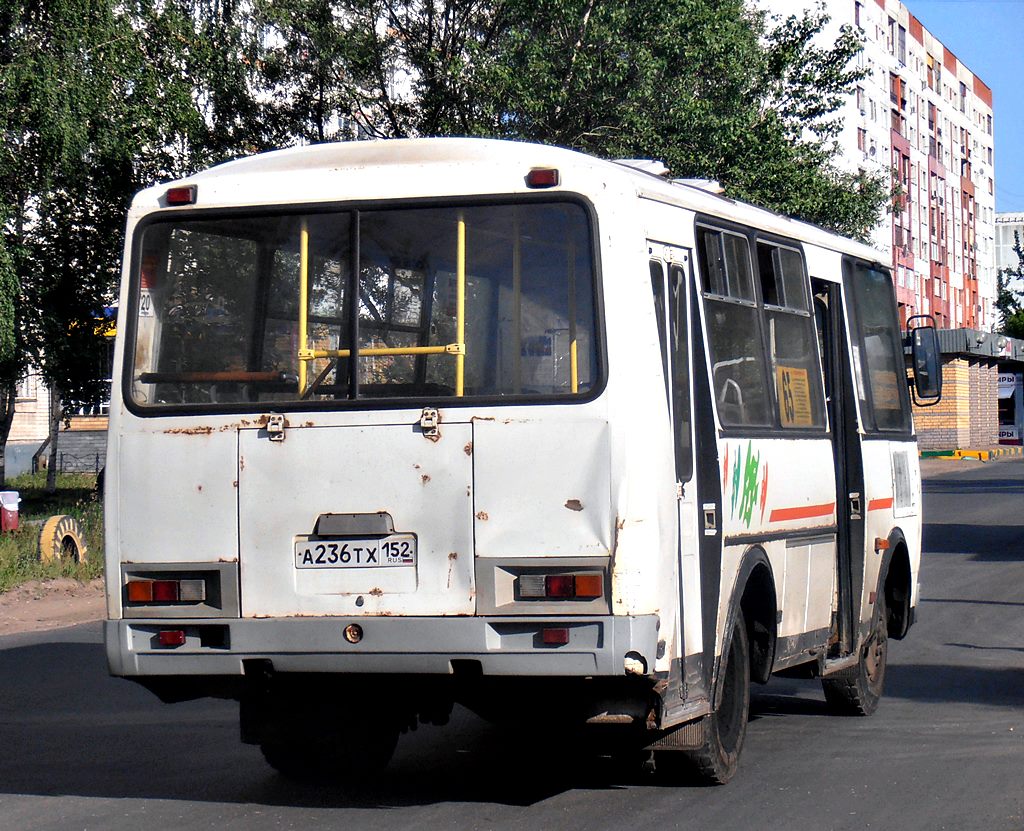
85, 117
712, 88
45, 88
1009, 299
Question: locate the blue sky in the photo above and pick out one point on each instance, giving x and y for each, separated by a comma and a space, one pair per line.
986, 35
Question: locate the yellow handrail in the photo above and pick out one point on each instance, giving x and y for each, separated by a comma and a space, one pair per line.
303, 302
375, 351
460, 307
574, 369
517, 306
305, 354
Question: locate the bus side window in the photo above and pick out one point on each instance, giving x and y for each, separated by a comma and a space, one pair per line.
673, 334
795, 367
660, 313
733, 330
680, 371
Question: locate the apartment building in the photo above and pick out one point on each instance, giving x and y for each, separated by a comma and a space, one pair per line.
1009, 226
921, 116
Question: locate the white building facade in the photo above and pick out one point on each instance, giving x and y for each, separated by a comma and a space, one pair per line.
1008, 227
922, 116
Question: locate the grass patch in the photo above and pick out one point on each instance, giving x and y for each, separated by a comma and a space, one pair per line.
19, 550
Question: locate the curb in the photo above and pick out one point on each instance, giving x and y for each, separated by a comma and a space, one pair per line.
980, 455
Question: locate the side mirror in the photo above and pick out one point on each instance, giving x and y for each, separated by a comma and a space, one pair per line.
926, 361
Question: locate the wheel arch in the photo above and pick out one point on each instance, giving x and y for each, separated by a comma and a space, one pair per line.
754, 596
895, 584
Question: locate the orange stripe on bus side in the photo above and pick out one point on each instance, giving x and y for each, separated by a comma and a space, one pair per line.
803, 512
879, 504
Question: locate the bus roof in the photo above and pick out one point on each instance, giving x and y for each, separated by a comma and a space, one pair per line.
301, 174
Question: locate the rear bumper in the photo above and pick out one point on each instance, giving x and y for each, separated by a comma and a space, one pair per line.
500, 645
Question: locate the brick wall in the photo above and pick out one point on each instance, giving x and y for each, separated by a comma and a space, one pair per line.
946, 426
967, 416
984, 404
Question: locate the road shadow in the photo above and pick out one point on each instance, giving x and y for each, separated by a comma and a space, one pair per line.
990, 686
998, 543
969, 487
66, 728
69, 729
773, 701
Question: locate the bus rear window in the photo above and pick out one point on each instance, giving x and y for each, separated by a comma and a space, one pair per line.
475, 301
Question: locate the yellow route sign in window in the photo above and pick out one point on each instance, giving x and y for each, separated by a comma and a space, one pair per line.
794, 396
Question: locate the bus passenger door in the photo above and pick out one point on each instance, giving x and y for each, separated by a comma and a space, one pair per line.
841, 397
670, 278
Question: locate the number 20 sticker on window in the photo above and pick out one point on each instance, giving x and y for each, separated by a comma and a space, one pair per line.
394, 550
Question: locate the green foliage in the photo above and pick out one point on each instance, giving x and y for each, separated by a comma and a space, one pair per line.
19, 550
97, 99
8, 295
1009, 298
58, 88
711, 88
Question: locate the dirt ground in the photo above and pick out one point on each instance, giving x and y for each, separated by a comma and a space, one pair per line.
50, 604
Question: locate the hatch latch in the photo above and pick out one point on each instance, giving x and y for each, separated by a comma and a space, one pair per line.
430, 423
275, 427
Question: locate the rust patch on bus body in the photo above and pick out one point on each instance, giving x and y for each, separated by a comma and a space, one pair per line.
452, 557
482, 515
424, 478
376, 592
468, 449
574, 505
189, 431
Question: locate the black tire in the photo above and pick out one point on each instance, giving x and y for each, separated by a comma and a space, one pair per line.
717, 760
858, 690
331, 759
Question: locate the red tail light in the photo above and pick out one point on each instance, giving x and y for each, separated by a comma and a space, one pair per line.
165, 591
552, 636
560, 585
171, 637
542, 177
185, 195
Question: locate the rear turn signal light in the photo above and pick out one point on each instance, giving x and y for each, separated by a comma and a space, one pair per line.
561, 586
166, 591
589, 586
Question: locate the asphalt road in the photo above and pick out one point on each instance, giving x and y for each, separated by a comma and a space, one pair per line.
79, 750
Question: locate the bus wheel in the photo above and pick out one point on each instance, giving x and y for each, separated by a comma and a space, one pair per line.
857, 691
716, 761
356, 748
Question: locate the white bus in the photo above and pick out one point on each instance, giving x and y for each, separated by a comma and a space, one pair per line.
403, 424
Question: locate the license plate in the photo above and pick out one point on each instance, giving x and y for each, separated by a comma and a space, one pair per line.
395, 550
